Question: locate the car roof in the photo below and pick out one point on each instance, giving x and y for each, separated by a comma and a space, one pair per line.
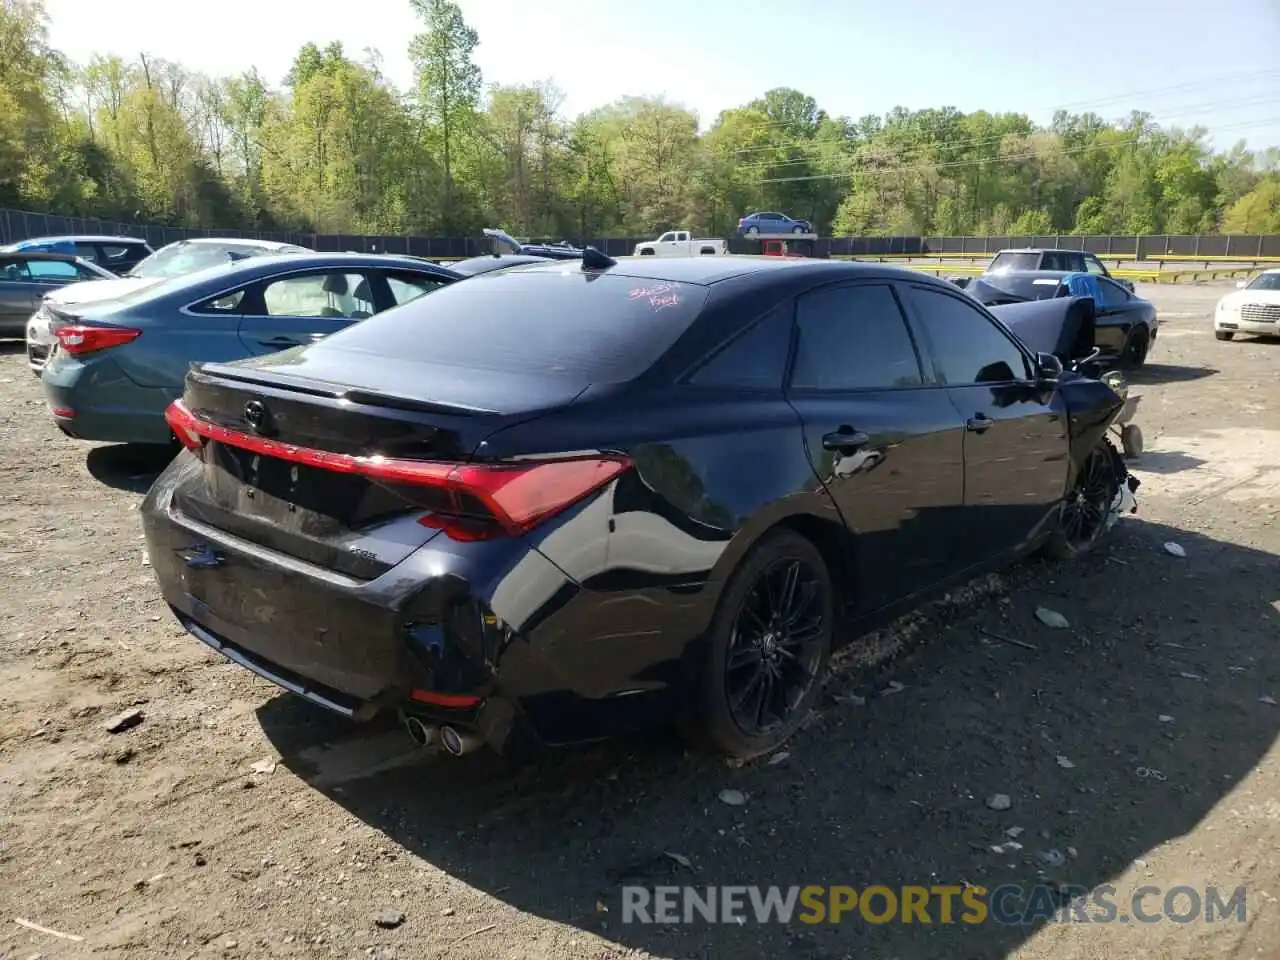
1031, 273
706, 270
230, 275
1041, 250
83, 238
38, 255
242, 241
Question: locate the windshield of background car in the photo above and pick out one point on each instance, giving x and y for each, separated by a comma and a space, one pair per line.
566, 324
1014, 261
182, 258
1265, 281
1022, 287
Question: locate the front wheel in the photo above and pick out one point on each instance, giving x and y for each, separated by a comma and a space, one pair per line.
798, 230
1134, 353
1084, 514
1223, 334
768, 646
752, 230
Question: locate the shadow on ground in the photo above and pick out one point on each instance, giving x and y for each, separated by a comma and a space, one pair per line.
1165, 462
127, 466
12, 346
892, 792
1150, 374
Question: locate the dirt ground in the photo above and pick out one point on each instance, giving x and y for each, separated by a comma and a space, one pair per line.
1137, 746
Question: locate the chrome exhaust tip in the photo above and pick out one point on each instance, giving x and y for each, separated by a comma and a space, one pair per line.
422, 734
457, 742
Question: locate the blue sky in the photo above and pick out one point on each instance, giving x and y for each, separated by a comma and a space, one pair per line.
854, 56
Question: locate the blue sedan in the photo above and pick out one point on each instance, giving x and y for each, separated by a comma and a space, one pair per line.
756, 223
117, 364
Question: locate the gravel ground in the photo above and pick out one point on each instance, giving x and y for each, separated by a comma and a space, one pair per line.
234, 821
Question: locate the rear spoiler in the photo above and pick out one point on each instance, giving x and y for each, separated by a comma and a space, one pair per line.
324, 388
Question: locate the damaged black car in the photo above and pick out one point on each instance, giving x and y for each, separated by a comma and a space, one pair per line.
552, 504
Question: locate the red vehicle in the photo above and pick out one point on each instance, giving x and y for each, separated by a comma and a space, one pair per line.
778, 248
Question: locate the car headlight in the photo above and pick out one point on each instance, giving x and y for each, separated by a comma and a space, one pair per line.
1118, 384
1228, 308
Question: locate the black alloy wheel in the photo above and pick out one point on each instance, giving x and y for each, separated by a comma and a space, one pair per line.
1087, 507
1135, 348
768, 648
775, 647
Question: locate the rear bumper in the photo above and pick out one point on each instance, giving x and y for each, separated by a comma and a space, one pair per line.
494, 621
94, 400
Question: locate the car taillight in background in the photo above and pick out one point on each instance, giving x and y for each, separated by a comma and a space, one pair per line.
79, 339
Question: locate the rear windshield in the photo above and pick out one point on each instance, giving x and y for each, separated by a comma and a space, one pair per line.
595, 328
1014, 261
1005, 287
182, 258
469, 268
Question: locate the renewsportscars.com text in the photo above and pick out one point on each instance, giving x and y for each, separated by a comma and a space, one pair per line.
937, 904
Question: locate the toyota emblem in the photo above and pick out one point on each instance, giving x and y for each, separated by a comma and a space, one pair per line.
255, 413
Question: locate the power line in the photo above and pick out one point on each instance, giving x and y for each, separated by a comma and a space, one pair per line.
971, 142
995, 160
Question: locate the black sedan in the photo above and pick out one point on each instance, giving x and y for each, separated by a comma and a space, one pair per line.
551, 504
474, 266
1126, 324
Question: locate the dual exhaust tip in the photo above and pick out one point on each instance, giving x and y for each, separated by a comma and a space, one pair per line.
455, 742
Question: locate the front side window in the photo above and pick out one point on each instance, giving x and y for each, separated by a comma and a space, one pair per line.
331, 294
853, 338
1112, 293
968, 346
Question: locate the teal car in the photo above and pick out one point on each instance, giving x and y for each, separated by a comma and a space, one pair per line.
117, 364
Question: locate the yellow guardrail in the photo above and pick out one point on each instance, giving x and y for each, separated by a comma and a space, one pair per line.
1146, 276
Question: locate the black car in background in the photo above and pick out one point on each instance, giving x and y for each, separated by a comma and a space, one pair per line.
1028, 259
551, 504
1125, 324
119, 255
474, 266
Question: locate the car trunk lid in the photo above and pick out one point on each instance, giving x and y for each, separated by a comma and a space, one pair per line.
352, 477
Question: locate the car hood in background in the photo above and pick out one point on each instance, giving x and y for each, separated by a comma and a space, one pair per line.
88, 291
1240, 297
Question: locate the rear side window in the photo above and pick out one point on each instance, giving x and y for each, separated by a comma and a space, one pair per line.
757, 359
853, 338
563, 323
329, 294
1015, 261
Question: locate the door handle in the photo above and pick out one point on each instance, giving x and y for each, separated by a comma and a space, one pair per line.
844, 439
978, 423
280, 342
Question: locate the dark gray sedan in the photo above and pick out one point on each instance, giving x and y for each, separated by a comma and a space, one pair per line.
117, 364
25, 277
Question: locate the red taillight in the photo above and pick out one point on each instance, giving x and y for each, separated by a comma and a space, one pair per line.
450, 701
518, 496
183, 424
77, 338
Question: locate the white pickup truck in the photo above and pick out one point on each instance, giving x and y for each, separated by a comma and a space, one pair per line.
680, 243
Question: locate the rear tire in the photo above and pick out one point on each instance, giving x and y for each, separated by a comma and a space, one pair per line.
766, 650
1082, 521
1223, 334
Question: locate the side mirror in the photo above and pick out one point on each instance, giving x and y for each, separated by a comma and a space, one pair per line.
1048, 368
1241, 284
